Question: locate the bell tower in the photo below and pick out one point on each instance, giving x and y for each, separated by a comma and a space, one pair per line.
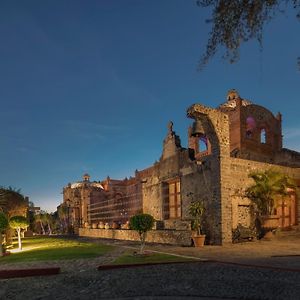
86, 177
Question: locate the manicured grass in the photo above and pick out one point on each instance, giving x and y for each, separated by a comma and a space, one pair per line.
50, 248
150, 257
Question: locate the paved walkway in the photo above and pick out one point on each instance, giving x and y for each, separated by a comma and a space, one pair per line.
281, 252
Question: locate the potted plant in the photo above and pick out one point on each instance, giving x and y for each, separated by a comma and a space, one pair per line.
196, 211
268, 189
101, 225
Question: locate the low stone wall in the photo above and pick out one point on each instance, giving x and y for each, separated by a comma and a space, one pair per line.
172, 237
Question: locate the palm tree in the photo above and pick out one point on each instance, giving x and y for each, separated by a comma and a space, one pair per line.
49, 220
39, 219
63, 217
269, 186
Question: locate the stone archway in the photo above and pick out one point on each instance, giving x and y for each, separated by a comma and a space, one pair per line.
215, 125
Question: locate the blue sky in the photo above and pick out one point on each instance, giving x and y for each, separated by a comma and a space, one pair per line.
89, 86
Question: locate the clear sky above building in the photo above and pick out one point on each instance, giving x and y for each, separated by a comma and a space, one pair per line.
90, 86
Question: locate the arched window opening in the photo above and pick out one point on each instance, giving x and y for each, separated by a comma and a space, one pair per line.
250, 127
263, 136
248, 134
203, 144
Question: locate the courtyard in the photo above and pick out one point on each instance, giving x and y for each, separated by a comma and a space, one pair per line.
251, 270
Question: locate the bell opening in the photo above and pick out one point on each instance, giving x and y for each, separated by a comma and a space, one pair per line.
197, 129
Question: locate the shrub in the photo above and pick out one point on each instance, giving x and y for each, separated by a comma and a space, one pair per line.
141, 223
3, 226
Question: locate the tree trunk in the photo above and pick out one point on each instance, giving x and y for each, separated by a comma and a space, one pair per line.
143, 238
50, 231
9, 234
43, 229
1, 249
19, 238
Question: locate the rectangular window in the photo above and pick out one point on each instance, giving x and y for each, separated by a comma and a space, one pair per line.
172, 200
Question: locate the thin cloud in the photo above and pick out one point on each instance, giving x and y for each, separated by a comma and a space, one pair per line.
87, 125
25, 149
291, 133
291, 138
91, 130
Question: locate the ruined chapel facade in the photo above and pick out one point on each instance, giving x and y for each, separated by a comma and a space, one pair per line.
224, 145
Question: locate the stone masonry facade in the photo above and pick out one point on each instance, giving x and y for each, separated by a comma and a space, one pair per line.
224, 145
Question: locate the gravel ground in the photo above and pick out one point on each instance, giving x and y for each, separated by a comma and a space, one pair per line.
202, 280
80, 279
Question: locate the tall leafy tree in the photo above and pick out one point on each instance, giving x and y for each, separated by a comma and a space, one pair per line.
237, 21
12, 202
3, 226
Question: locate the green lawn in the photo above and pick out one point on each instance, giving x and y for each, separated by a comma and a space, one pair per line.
50, 248
149, 257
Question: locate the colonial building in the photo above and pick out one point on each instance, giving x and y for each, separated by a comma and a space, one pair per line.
224, 145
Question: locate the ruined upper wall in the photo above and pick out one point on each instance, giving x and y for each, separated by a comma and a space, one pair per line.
255, 133
171, 144
215, 126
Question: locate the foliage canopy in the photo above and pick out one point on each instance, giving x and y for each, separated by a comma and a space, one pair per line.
238, 21
18, 222
141, 223
3, 221
12, 202
269, 186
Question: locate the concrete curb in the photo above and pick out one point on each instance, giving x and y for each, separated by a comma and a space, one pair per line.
4, 274
253, 266
124, 266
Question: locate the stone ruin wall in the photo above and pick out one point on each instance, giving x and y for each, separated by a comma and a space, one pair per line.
152, 189
216, 127
217, 178
239, 181
197, 184
152, 195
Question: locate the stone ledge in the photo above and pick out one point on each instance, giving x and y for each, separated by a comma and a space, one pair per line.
171, 237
